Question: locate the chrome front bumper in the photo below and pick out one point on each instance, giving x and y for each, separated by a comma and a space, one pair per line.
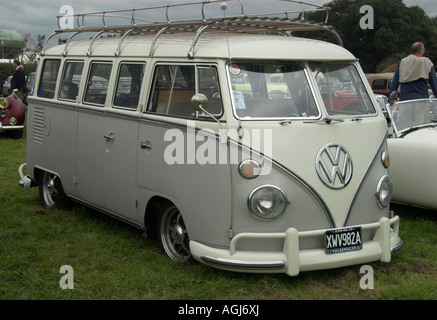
291, 260
10, 128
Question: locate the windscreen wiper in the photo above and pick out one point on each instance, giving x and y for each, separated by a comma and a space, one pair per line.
327, 120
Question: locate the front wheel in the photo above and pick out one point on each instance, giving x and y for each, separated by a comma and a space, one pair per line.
172, 234
50, 190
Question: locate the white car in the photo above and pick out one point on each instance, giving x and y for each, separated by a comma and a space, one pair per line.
413, 152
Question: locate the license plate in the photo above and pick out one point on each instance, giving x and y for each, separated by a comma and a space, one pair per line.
343, 240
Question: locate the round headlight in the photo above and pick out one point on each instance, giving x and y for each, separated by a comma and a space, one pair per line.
249, 169
384, 191
267, 202
4, 103
13, 121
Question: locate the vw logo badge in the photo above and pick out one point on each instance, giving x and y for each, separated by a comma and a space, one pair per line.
334, 166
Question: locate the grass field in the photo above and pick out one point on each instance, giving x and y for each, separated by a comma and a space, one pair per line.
112, 260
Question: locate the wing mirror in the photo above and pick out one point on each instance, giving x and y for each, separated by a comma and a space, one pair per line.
199, 102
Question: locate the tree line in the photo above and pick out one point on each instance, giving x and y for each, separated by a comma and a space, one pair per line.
395, 28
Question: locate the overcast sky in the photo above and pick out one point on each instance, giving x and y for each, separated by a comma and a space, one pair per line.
35, 17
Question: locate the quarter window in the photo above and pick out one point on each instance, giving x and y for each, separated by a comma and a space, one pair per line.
47, 85
97, 85
71, 81
129, 82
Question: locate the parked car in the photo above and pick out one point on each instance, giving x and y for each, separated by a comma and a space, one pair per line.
7, 86
413, 151
380, 82
12, 116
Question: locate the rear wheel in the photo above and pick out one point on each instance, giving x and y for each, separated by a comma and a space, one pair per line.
50, 190
172, 234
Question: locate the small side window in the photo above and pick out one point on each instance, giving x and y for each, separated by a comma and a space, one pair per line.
129, 81
71, 81
97, 83
47, 84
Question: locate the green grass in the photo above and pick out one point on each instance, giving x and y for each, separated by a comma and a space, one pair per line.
112, 260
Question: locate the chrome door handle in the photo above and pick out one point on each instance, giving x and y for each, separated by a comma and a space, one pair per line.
108, 136
145, 145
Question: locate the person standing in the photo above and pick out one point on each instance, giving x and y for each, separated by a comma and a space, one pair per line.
412, 75
18, 80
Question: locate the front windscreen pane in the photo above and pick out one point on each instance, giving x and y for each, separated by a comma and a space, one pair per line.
271, 90
409, 115
342, 90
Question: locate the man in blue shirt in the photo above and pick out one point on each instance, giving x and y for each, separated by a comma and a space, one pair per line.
412, 75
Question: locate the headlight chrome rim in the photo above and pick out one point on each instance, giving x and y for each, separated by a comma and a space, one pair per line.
384, 191
275, 201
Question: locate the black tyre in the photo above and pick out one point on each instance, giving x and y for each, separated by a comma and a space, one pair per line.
172, 234
51, 193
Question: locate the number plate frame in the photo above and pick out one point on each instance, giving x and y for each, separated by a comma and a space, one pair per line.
343, 240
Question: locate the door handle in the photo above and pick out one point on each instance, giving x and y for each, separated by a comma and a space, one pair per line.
108, 136
145, 145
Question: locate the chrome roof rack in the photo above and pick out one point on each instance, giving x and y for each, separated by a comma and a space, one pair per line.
270, 22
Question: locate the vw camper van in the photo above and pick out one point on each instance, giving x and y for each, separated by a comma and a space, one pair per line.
234, 141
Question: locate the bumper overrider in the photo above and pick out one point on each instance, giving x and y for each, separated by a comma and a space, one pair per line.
291, 260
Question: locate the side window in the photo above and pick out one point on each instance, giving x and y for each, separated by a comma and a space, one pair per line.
71, 80
49, 76
173, 89
130, 77
97, 83
174, 86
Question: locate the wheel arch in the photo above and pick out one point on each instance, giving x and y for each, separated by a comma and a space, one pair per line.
153, 208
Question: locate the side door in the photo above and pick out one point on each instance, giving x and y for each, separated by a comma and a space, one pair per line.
121, 147
91, 134
180, 155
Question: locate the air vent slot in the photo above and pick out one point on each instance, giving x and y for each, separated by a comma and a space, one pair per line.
38, 125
